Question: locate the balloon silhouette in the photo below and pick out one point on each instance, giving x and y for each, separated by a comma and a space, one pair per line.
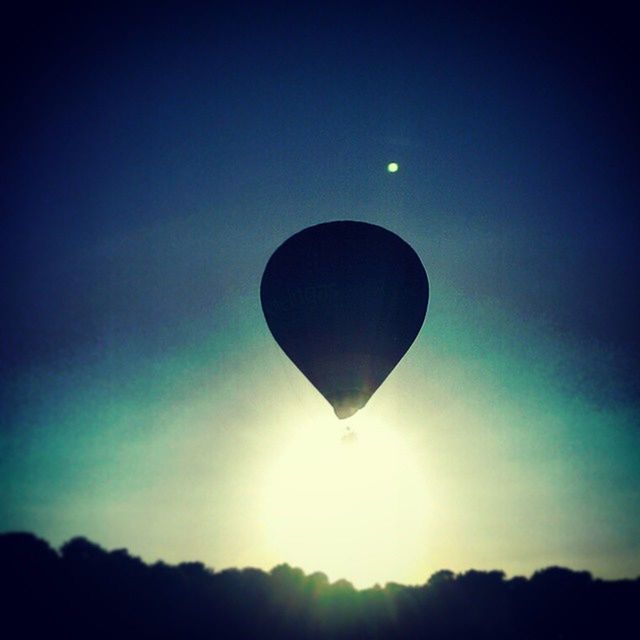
345, 301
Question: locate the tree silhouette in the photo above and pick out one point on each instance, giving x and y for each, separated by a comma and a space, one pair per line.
84, 591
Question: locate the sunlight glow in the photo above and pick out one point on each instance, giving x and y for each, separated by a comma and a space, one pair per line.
353, 508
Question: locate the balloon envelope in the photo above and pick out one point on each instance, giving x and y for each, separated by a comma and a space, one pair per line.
345, 300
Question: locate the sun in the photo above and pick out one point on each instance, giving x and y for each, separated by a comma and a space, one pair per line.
353, 508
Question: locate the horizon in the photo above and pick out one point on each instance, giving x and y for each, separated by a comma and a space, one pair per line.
85, 591
332, 581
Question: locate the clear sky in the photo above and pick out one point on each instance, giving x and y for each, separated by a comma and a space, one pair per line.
153, 159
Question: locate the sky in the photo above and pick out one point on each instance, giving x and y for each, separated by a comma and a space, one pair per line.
154, 158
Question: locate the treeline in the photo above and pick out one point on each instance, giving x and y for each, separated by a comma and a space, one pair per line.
84, 591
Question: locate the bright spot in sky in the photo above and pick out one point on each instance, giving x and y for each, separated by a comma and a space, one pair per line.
392, 167
354, 509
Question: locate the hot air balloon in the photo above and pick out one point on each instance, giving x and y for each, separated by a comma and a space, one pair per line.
345, 300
